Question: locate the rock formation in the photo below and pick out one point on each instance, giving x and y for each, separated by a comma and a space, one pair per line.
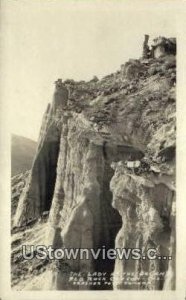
81, 174
146, 50
162, 46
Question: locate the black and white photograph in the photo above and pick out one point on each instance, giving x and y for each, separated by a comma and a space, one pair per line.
89, 101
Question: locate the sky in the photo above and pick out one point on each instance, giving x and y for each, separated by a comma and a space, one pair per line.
43, 40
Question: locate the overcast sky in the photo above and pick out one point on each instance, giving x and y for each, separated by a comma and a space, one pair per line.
45, 40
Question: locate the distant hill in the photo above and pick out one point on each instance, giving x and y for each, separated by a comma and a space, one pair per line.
22, 154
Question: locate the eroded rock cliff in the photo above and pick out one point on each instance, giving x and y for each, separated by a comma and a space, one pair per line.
105, 171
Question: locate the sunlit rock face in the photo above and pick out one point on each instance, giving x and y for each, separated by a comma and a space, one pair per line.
146, 208
105, 173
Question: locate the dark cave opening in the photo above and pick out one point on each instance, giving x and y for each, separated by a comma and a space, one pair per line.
51, 174
110, 225
111, 221
45, 167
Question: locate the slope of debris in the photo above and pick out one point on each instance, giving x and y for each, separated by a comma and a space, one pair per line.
18, 183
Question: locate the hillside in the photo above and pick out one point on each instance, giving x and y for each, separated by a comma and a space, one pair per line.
22, 154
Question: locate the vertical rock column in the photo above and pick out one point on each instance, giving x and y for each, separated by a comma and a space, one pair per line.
37, 195
82, 228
